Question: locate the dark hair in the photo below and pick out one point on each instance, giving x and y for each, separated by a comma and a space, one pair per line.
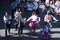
49, 13
34, 13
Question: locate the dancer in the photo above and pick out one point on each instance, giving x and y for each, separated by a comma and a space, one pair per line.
49, 18
34, 21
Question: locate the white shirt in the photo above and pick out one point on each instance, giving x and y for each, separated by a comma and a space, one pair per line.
34, 18
16, 15
6, 19
46, 19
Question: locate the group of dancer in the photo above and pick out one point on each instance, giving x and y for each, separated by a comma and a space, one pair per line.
34, 21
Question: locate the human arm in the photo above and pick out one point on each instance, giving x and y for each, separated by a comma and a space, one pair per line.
29, 18
54, 18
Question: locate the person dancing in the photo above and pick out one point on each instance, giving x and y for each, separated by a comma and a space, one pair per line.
49, 18
34, 21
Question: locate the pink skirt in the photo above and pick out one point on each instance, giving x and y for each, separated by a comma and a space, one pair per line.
33, 23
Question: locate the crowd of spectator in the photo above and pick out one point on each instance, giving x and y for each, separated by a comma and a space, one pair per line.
46, 8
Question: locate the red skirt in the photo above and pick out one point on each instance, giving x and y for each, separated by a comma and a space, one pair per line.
33, 23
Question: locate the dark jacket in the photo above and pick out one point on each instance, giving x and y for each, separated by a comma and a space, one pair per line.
21, 20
